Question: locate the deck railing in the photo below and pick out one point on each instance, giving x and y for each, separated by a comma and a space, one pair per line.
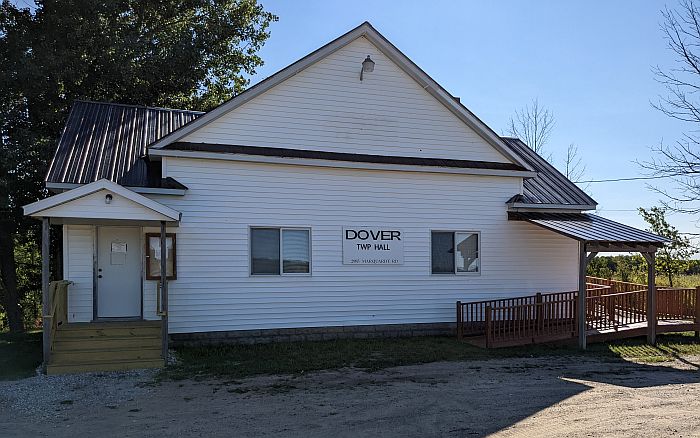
678, 304
610, 311
503, 321
610, 305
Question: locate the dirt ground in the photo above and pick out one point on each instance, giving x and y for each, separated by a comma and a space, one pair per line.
537, 397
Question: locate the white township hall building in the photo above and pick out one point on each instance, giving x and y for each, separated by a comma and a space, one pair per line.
348, 194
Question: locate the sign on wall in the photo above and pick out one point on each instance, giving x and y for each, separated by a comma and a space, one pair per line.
372, 246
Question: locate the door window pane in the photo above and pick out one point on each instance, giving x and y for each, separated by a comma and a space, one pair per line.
265, 251
295, 251
443, 258
467, 254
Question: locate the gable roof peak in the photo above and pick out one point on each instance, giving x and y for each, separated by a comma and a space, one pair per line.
389, 50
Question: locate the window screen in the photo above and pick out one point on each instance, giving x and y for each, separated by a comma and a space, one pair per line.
443, 252
265, 251
455, 252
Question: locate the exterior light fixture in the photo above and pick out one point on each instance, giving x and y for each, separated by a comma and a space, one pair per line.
108, 198
367, 66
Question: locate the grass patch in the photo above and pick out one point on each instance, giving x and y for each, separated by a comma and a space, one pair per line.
20, 354
236, 361
668, 347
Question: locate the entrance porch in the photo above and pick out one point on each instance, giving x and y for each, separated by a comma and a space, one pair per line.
100, 317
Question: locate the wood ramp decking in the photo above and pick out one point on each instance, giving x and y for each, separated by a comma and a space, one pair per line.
614, 310
106, 346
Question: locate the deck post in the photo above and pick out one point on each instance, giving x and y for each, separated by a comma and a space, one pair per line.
488, 322
45, 297
651, 298
459, 320
583, 262
164, 289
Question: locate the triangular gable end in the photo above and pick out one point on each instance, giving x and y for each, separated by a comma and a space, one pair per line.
88, 202
319, 103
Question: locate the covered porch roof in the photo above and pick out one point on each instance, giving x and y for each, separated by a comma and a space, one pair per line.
102, 202
597, 233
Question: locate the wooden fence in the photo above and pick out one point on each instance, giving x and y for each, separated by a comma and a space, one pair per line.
610, 305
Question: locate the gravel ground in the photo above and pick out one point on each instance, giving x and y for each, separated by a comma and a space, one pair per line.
511, 397
44, 397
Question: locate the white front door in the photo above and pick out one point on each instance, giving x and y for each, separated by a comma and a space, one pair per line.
118, 272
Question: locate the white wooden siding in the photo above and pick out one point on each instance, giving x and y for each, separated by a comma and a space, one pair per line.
326, 107
214, 290
78, 265
93, 206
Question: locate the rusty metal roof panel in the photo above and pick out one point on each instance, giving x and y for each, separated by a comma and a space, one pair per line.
105, 140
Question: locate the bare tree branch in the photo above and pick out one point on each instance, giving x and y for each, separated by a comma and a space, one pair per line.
680, 161
533, 125
573, 164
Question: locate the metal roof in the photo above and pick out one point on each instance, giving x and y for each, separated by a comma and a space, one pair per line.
340, 156
550, 186
591, 228
106, 140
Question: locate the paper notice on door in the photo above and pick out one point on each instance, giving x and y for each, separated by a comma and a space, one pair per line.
119, 247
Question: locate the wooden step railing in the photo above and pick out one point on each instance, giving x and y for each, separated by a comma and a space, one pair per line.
58, 315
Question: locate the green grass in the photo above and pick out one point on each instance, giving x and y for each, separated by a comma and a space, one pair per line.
20, 354
681, 281
236, 361
668, 347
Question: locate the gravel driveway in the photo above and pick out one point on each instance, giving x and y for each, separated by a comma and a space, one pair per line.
511, 397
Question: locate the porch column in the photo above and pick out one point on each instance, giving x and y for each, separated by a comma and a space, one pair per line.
651, 298
45, 297
582, 263
164, 289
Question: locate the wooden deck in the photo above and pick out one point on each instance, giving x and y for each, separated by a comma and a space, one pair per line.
614, 310
106, 346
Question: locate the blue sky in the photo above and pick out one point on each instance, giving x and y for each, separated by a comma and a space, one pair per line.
590, 63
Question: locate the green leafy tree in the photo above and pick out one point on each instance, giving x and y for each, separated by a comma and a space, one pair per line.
674, 257
173, 53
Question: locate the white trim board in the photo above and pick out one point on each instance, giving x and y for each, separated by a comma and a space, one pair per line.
149, 190
338, 164
36, 208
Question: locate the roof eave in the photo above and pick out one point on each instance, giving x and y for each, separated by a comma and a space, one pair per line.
525, 207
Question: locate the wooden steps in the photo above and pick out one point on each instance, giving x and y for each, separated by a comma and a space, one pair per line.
106, 346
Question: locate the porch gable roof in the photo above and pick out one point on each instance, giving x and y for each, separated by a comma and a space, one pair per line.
89, 202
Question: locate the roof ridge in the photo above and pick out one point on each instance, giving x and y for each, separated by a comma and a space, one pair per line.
134, 105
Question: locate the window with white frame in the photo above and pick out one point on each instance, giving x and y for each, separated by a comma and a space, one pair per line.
275, 251
455, 252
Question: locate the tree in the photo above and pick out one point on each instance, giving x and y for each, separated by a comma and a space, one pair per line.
573, 164
174, 53
680, 161
673, 258
532, 124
